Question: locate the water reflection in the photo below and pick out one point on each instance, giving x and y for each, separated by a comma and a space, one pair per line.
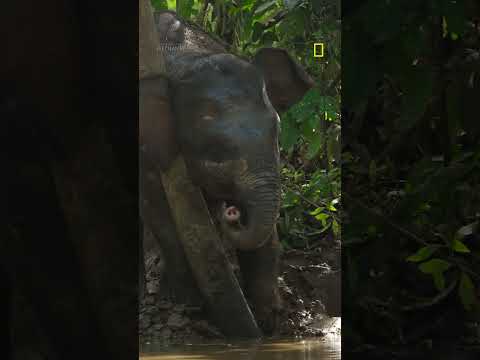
327, 348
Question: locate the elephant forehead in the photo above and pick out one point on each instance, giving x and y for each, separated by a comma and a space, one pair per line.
233, 97
209, 69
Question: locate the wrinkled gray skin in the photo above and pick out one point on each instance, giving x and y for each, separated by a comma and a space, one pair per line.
225, 122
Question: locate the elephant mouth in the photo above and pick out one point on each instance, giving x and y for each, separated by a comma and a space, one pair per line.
230, 216
245, 215
233, 216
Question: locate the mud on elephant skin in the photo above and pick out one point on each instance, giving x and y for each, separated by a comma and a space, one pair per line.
224, 120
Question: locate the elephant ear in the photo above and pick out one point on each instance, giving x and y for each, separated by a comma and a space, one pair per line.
157, 138
286, 81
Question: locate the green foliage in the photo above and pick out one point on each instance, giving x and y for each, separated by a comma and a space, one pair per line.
303, 123
309, 209
436, 268
163, 4
412, 163
311, 172
423, 253
466, 291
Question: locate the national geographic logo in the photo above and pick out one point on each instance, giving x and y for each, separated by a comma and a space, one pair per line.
318, 50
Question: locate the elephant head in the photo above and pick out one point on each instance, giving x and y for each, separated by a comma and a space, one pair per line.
225, 122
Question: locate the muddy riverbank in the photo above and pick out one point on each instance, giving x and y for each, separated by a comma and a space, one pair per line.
309, 283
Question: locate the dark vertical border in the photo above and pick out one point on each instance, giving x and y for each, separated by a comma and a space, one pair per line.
69, 113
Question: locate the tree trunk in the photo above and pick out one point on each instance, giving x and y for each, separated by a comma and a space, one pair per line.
150, 61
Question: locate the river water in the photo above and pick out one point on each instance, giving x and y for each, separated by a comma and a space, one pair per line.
325, 348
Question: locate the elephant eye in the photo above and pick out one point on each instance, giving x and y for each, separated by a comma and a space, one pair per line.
208, 110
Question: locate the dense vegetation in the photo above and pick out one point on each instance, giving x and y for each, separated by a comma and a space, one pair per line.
411, 179
310, 131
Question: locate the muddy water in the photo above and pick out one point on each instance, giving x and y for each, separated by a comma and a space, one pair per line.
326, 348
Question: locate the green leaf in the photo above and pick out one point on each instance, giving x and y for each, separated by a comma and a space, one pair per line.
160, 4
460, 247
172, 4
434, 266
315, 145
265, 6
289, 134
317, 211
264, 18
322, 217
290, 199
335, 227
331, 206
422, 254
466, 291
309, 127
248, 5
439, 281
444, 27
292, 26
184, 8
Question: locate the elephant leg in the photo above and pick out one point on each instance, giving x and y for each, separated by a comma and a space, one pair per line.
259, 270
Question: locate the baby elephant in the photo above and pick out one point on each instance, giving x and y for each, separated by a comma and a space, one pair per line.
225, 122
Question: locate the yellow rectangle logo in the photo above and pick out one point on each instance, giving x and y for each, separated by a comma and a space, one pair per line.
318, 50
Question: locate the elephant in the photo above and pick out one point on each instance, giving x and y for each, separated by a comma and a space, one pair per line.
224, 121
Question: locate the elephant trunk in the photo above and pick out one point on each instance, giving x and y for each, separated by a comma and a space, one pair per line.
260, 203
